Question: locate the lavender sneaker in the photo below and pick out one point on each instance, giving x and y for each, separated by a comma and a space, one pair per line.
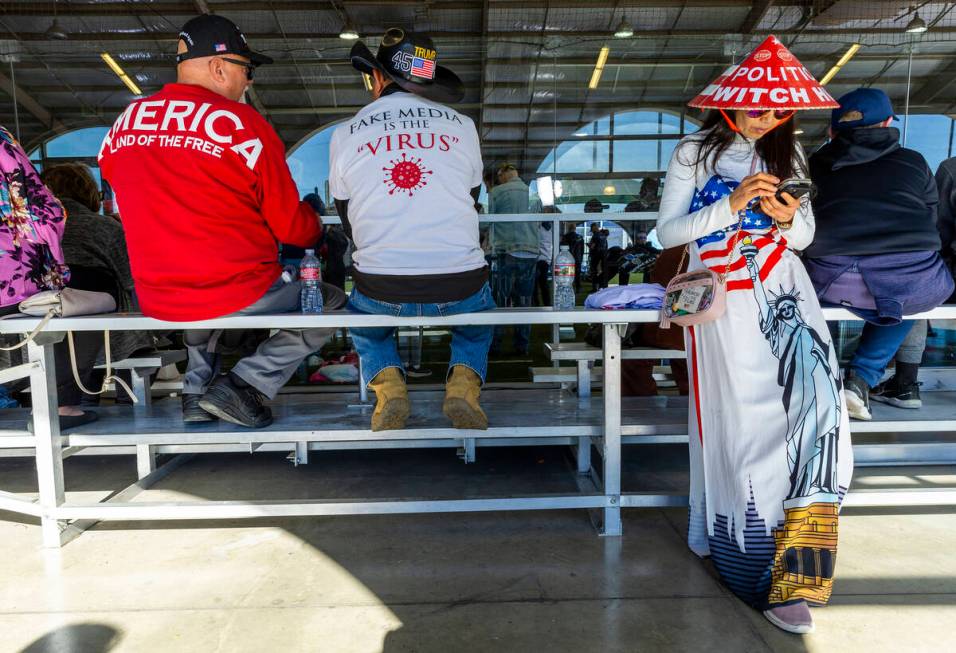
793, 618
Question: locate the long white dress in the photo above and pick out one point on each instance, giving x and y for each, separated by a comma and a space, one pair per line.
770, 442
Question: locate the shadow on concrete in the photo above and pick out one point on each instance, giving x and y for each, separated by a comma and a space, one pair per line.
76, 638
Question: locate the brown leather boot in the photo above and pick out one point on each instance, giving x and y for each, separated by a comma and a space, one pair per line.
391, 400
461, 399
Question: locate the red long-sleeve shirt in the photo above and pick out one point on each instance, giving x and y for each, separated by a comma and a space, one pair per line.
204, 194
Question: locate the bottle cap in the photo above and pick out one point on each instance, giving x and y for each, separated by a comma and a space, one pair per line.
565, 248
310, 252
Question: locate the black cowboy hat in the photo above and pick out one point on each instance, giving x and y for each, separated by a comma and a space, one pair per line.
411, 61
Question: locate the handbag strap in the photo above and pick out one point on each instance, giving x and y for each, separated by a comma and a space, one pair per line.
76, 375
33, 334
730, 254
109, 370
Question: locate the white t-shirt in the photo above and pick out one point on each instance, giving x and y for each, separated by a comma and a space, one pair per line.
407, 166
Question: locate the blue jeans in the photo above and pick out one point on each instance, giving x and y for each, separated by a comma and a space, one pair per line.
513, 286
877, 347
376, 345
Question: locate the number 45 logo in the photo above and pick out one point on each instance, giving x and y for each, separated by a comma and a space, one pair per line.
402, 60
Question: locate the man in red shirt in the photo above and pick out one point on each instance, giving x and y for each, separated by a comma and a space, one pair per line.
205, 194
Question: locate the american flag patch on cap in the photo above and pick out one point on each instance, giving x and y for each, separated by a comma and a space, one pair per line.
221, 47
424, 68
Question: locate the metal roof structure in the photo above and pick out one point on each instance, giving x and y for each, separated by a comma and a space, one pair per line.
526, 63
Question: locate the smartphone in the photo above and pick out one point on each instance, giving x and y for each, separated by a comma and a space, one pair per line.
796, 187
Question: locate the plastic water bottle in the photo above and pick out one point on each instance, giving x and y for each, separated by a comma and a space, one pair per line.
310, 274
564, 280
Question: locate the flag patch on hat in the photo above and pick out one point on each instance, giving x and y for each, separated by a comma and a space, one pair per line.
423, 68
221, 47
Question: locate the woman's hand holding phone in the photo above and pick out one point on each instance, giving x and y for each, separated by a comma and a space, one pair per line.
781, 211
759, 185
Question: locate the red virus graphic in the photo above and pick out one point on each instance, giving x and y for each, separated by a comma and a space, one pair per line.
406, 175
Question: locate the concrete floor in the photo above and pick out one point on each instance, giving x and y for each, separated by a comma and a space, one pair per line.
445, 583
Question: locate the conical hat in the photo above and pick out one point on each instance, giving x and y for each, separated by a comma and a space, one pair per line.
770, 78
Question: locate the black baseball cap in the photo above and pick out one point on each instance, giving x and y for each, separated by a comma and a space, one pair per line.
212, 36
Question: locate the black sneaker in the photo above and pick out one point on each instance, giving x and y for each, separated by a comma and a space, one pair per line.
897, 394
192, 413
857, 395
242, 406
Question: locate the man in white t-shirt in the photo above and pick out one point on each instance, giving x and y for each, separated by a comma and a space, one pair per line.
405, 174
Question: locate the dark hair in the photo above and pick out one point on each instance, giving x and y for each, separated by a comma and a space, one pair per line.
73, 181
778, 148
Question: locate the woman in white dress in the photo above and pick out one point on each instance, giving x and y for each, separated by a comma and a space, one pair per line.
770, 444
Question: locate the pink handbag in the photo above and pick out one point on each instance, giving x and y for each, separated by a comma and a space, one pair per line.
697, 296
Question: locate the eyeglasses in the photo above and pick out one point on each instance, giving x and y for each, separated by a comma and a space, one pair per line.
250, 68
779, 114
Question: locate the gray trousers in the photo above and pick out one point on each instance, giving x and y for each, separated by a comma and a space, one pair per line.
912, 348
276, 359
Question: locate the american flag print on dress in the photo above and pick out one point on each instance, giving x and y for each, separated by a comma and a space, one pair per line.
715, 248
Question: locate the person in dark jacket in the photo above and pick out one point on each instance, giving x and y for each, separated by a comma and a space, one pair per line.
597, 253
946, 183
876, 250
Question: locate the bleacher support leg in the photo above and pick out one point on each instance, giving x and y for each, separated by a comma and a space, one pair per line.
301, 453
145, 460
612, 428
467, 451
584, 379
46, 431
140, 387
584, 455
363, 390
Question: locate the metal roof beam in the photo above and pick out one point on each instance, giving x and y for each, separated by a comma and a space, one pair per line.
30, 104
500, 35
935, 85
187, 8
356, 84
757, 12
461, 64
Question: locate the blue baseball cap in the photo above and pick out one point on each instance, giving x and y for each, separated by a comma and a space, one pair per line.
861, 108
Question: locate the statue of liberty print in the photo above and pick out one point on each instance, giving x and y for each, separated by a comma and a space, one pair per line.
811, 393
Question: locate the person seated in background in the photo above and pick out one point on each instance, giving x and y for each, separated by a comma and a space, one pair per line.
417, 250
292, 255
902, 389
94, 246
514, 246
204, 244
876, 248
332, 247
32, 222
946, 183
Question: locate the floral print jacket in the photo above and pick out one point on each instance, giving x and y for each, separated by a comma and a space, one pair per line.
31, 226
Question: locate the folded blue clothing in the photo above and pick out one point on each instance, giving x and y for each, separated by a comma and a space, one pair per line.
636, 295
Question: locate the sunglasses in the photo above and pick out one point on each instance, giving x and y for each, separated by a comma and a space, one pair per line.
779, 114
250, 68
